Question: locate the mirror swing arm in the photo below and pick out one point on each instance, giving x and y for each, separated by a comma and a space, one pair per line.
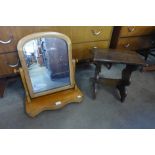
50, 101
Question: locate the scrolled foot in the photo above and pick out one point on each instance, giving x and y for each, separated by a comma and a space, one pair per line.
122, 92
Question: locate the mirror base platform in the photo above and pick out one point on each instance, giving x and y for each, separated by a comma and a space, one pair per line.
53, 101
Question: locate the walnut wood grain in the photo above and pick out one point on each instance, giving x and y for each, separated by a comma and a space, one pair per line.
6, 60
90, 33
127, 31
81, 51
48, 102
19, 32
117, 56
149, 68
135, 43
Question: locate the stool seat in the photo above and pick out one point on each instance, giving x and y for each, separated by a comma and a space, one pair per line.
117, 56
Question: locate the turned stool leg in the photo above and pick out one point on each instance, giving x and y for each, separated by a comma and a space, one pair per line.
125, 81
95, 79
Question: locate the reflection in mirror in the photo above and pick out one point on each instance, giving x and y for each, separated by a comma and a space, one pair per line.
48, 63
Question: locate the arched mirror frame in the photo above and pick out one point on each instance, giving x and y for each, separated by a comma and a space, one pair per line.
30, 37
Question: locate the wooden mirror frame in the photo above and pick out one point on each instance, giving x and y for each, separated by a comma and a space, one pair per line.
30, 37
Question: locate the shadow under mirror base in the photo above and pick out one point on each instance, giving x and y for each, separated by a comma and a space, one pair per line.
53, 101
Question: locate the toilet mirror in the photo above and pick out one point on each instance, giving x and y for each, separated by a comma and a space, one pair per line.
46, 61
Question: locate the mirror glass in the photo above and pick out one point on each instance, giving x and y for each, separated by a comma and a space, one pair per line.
47, 62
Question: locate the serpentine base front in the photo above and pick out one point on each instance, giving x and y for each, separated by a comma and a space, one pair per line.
53, 101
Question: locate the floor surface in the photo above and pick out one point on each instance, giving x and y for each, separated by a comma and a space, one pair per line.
138, 111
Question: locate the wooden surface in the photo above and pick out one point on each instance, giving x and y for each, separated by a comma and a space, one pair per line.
134, 43
115, 36
19, 32
5, 35
22, 75
53, 101
84, 36
90, 33
133, 37
117, 56
78, 34
149, 68
128, 31
5, 61
82, 50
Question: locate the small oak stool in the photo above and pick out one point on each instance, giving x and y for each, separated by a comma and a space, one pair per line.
107, 57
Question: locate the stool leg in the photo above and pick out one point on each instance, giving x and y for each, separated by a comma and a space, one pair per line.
3, 84
95, 79
125, 81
